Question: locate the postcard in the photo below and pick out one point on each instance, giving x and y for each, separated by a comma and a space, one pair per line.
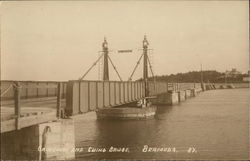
125, 80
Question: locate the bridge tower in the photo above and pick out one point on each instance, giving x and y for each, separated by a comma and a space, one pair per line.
145, 64
105, 60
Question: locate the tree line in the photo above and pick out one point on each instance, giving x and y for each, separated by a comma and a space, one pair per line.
211, 76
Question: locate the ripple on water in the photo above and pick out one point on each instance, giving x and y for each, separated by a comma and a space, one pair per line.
215, 122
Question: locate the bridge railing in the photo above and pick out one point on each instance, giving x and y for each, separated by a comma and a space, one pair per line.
186, 86
32, 89
160, 87
19, 118
84, 96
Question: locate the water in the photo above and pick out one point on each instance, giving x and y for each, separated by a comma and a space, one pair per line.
213, 125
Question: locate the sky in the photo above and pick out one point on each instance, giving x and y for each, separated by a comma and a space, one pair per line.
60, 40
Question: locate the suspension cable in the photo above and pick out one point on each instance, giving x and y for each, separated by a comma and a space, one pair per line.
150, 66
91, 67
138, 62
115, 68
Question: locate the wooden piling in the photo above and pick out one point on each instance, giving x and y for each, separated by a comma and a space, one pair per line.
17, 103
58, 103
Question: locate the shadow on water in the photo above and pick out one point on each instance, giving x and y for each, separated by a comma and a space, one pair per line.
162, 111
132, 134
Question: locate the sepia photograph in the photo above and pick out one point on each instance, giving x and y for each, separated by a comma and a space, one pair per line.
124, 80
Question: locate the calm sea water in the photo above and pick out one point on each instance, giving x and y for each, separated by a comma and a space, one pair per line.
213, 125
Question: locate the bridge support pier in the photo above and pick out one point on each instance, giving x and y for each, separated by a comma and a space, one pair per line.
169, 98
181, 96
193, 92
188, 93
46, 141
126, 113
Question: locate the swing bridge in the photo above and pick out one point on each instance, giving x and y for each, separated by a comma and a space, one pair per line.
27, 103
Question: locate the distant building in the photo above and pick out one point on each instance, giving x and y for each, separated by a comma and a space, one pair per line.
233, 73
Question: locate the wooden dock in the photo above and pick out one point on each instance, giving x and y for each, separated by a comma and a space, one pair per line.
20, 113
30, 116
33, 111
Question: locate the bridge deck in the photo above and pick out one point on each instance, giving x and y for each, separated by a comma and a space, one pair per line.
33, 111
